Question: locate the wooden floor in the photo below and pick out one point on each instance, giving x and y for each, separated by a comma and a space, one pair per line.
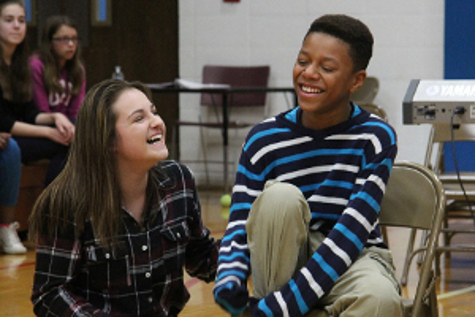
456, 285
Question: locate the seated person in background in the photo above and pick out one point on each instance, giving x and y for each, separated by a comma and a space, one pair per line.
59, 77
304, 213
10, 171
38, 135
116, 228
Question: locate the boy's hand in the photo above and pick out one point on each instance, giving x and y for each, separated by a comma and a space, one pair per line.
232, 297
253, 303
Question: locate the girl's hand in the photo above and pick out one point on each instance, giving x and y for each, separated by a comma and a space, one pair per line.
55, 135
64, 126
4, 140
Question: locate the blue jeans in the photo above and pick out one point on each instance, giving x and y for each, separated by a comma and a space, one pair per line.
10, 174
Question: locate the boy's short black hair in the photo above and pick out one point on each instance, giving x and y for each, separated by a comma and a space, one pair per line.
349, 30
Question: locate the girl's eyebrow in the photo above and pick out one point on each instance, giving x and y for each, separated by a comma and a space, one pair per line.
140, 111
12, 16
135, 112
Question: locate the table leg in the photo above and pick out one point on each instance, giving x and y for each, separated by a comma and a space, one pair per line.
225, 141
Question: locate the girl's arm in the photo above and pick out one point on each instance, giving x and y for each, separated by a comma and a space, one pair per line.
76, 101
202, 251
62, 123
40, 93
63, 133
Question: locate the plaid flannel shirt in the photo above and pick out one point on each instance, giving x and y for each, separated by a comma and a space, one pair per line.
144, 276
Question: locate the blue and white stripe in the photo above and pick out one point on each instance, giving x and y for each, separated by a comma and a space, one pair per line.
343, 176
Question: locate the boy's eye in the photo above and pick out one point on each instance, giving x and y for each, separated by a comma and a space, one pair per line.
138, 119
302, 62
327, 69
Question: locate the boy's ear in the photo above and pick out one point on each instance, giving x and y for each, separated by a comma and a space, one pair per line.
358, 80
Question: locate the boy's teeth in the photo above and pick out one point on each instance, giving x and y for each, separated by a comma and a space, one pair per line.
311, 90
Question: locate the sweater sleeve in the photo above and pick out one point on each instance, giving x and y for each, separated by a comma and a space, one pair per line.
40, 93
12, 112
202, 250
6, 122
76, 100
230, 289
340, 248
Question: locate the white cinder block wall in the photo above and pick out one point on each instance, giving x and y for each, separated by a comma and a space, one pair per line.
409, 38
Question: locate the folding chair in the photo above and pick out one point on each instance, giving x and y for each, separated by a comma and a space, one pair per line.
375, 109
457, 204
234, 76
380, 112
367, 92
414, 198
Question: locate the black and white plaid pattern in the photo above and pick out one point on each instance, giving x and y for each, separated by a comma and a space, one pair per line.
144, 275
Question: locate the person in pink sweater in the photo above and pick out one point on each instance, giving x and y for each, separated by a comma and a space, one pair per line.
59, 77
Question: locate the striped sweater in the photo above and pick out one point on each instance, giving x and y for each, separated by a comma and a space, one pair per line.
342, 172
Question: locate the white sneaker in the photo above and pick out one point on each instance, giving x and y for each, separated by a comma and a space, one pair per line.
9, 241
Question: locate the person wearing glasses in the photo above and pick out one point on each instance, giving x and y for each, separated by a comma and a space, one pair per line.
59, 77
26, 134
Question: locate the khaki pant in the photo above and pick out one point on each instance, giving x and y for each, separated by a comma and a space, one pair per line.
280, 244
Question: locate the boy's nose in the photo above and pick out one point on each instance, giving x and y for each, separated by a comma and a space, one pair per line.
312, 72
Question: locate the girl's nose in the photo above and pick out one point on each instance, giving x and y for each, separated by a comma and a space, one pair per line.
157, 121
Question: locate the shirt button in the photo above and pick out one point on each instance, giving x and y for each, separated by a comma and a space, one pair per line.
144, 248
147, 275
150, 299
178, 235
107, 255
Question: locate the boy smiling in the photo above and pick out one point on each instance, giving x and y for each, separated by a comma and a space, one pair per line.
304, 212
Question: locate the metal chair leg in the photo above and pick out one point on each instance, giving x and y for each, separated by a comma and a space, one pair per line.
205, 156
407, 261
425, 235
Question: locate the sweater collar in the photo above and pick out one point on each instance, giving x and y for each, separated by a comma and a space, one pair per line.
292, 119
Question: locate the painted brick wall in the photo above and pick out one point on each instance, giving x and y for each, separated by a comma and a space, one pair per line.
408, 45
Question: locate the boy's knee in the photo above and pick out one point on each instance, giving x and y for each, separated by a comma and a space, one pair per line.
378, 302
378, 298
281, 198
382, 301
278, 190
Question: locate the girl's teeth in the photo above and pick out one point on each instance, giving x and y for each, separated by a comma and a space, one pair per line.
155, 139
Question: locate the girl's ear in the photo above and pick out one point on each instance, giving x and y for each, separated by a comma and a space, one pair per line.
358, 80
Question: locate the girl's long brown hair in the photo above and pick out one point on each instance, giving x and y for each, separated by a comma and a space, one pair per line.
15, 78
88, 187
51, 67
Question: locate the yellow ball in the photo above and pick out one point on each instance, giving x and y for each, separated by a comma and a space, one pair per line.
226, 200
